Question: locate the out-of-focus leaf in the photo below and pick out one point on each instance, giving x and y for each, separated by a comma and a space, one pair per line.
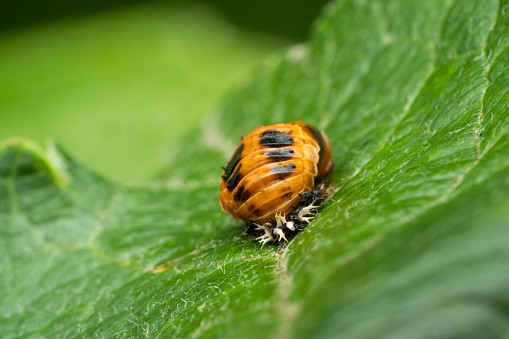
120, 87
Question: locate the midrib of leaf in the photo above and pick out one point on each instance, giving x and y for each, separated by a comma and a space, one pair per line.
290, 309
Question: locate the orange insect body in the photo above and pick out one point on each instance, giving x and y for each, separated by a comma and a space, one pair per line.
271, 167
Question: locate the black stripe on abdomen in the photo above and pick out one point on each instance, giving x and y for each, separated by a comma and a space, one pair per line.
275, 138
234, 180
283, 169
233, 162
280, 153
238, 194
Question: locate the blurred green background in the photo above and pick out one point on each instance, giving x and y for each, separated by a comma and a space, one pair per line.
117, 83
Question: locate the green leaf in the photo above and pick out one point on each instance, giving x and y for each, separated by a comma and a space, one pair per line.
121, 81
413, 96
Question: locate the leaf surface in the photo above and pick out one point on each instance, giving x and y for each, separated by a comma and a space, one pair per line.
413, 96
129, 82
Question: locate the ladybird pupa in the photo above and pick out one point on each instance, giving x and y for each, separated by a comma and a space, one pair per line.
269, 182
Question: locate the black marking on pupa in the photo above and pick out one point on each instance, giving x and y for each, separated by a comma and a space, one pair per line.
234, 180
283, 169
238, 194
280, 153
274, 138
233, 162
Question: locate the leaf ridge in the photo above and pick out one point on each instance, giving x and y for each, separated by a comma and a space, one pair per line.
11, 189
